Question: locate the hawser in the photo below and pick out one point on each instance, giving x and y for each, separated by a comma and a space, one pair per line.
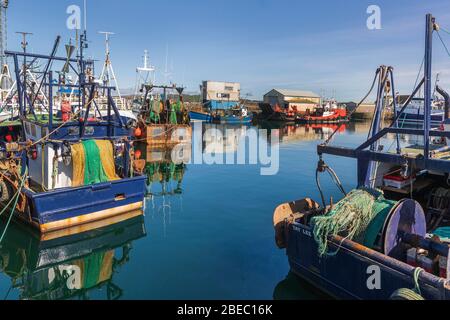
389, 238
69, 267
71, 167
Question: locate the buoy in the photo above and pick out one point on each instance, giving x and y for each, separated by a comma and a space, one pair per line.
137, 154
34, 154
137, 132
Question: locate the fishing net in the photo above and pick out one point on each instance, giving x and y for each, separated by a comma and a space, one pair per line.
173, 115
78, 164
93, 162
93, 171
107, 158
153, 116
349, 218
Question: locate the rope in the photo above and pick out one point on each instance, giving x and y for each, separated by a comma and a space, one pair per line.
17, 196
417, 273
354, 110
443, 43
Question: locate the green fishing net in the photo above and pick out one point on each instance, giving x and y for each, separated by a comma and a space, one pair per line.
94, 171
359, 217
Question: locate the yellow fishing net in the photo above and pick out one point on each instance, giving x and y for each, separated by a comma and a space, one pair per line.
107, 157
79, 159
78, 164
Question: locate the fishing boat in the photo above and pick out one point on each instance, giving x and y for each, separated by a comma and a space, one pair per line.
414, 113
389, 237
329, 112
163, 120
69, 267
236, 115
67, 155
274, 114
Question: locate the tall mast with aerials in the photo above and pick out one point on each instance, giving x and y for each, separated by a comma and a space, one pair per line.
144, 74
108, 76
167, 73
5, 76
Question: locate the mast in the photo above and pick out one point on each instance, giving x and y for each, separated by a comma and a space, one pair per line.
430, 25
3, 31
108, 74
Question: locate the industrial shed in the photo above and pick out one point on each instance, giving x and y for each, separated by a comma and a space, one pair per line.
299, 100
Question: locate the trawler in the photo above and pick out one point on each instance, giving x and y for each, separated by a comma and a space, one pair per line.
70, 168
389, 238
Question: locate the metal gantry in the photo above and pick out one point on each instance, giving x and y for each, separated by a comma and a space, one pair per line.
368, 152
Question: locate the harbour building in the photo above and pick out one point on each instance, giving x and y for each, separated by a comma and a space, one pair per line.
299, 100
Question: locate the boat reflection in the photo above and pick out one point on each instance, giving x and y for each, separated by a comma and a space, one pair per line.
295, 288
304, 132
70, 267
165, 167
222, 138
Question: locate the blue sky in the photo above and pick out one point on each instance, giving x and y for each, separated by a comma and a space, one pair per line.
318, 45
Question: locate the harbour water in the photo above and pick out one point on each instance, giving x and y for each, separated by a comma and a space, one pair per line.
206, 234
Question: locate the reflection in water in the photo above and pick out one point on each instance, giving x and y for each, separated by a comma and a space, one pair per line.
295, 288
305, 132
165, 167
70, 267
227, 141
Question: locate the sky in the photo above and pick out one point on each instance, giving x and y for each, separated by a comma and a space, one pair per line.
322, 46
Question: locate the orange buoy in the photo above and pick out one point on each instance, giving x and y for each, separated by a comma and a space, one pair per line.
137, 154
137, 132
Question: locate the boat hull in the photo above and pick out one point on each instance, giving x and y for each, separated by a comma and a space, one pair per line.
206, 117
69, 207
409, 118
346, 275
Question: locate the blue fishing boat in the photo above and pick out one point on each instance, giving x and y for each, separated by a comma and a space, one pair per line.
70, 168
231, 116
388, 238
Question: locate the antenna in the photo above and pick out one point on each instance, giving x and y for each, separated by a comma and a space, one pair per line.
24, 43
167, 74
144, 73
85, 15
108, 74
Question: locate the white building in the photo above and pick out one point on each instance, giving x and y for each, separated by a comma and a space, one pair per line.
225, 94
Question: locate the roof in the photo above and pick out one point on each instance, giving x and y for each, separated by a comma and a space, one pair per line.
297, 93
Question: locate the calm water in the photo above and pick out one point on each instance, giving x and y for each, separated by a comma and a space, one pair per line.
207, 233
